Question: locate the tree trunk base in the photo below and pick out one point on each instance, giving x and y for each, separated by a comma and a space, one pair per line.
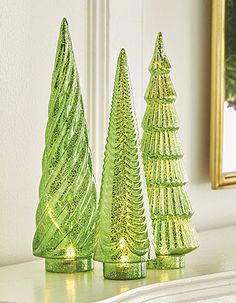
68, 265
167, 262
124, 271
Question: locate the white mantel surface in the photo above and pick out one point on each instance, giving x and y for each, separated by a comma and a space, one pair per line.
209, 276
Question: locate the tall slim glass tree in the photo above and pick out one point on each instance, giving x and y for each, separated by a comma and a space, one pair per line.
65, 215
169, 202
123, 233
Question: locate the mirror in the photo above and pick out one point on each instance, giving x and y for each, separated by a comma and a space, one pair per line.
223, 94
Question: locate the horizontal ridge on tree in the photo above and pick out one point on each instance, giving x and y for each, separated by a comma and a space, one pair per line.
164, 172
174, 236
160, 89
161, 145
160, 116
169, 201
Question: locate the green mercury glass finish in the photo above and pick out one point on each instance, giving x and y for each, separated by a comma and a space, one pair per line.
65, 216
169, 202
124, 232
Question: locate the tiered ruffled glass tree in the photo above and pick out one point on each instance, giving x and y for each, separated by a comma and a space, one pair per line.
65, 215
169, 202
124, 231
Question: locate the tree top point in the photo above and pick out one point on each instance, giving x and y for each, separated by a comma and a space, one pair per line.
159, 41
159, 60
122, 54
122, 59
64, 24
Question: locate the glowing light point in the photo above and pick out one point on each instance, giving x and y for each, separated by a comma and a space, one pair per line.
70, 252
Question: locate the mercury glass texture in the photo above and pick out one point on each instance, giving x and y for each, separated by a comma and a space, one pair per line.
169, 202
65, 217
122, 237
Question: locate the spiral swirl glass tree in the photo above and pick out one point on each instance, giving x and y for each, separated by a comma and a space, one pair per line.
169, 202
65, 215
123, 231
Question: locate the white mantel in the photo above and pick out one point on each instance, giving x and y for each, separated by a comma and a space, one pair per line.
209, 276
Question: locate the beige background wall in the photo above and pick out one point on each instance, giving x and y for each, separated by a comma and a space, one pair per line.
28, 36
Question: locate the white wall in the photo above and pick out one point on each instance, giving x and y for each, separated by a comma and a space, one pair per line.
28, 37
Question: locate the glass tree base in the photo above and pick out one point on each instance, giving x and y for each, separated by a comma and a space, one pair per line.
167, 262
124, 271
68, 265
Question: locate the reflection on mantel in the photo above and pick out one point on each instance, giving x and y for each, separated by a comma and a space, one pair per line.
216, 255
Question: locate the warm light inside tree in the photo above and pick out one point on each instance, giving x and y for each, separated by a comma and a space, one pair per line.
169, 202
65, 217
124, 231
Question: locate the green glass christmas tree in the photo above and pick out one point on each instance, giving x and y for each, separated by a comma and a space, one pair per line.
65, 217
169, 202
124, 231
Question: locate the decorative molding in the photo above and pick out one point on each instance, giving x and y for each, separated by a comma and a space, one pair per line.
91, 81
98, 75
197, 289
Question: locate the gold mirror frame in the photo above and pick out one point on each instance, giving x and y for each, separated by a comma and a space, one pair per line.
218, 178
